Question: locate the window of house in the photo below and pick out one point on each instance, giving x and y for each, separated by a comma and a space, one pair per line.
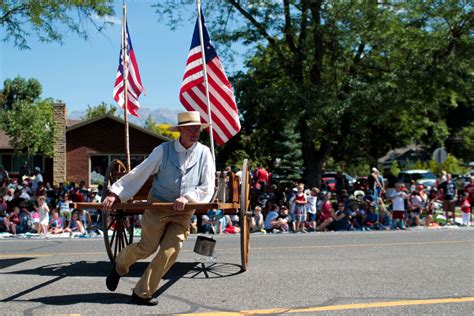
99, 164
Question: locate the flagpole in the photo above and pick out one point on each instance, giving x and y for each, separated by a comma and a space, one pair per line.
125, 88
204, 68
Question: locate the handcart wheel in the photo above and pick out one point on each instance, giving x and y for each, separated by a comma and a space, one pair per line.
117, 220
244, 218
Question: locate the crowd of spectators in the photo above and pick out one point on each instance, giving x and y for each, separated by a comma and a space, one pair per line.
383, 205
32, 206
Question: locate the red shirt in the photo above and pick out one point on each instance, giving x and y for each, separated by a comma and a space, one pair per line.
470, 190
15, 219
466, 206
262, 175
326, 211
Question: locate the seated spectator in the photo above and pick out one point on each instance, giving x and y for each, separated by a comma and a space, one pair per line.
271, 216
84, 217
207, 225
217, 221
228, 225
15, 220
4, 222
280, 223
385, 219
82, 188
341, 218
371, 220
35, 220
75, 224
64, 208
325, 219
56, 225
193, 229
76, 195
26, 224
257, 224
434, 203
25, 194
415, 206
9, 196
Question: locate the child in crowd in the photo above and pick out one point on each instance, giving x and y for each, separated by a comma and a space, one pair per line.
466, 210
75, 224
43, 211
15, 220
398, 198
312, 199
257, 224
63, 207
299, 199
371, 218
56, 224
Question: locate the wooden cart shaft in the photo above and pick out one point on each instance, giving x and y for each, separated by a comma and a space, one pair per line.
137, 207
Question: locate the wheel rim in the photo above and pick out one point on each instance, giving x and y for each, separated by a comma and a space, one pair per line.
244, 218
118, 221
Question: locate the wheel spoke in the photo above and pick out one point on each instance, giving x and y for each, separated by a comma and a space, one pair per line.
112, 222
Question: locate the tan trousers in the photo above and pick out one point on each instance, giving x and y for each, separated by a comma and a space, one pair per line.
167, 229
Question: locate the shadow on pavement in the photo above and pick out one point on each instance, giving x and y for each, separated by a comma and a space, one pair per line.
188, 270
5, 263
102, 298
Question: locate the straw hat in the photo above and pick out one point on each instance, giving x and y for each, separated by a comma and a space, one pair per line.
188, 119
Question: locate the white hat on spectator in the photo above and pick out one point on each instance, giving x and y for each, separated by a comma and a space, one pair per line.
375, 170
37, 169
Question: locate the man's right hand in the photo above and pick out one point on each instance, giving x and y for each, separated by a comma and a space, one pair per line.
110, 200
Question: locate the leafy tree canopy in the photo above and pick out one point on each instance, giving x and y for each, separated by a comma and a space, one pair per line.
26, 118
354, 78
46, 18
161, 129
19, 89
99, 110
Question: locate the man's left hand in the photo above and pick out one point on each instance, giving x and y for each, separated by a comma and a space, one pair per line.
180, 203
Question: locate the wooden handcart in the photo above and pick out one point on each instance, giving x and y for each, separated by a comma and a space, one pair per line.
232, 196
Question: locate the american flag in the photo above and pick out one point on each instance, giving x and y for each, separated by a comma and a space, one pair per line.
134, 82
224, 114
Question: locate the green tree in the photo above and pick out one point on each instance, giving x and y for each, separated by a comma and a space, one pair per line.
355, 78
30, 126
99, 110
467, 135
47, 18
19, 89
161, 129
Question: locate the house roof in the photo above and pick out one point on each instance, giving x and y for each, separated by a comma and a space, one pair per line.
403, 154
79, 124
74, 124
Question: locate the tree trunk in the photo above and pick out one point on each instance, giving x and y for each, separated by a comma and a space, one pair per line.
312, 159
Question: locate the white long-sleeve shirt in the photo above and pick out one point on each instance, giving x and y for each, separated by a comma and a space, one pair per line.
127, 186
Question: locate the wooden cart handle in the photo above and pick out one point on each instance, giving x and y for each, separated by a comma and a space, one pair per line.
164, 206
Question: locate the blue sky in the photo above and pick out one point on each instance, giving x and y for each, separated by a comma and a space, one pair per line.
82, 73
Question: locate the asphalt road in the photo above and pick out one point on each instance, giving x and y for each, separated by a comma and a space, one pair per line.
362, 273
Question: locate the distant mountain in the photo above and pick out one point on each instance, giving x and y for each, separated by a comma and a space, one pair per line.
161, 115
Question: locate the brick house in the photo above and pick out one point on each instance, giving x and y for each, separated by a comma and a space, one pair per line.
83, 149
